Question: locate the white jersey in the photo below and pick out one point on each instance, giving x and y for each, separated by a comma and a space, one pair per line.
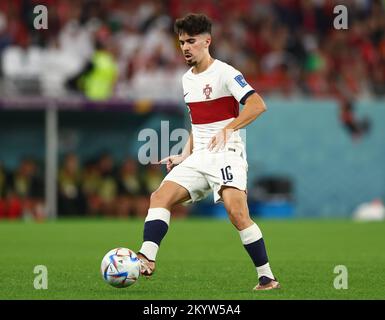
213, 98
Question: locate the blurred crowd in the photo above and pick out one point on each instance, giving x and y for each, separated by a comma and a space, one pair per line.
97, 188
127, 49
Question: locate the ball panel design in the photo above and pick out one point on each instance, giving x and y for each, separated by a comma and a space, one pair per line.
120, 267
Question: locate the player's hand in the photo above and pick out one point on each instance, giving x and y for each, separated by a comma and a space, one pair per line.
171, 161
219, 141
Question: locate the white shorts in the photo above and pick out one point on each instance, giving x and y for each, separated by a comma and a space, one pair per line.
204, 171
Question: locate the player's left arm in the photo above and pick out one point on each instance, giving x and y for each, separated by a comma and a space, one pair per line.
253, 108
236, 85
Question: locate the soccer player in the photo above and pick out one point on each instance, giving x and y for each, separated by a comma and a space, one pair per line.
214, 158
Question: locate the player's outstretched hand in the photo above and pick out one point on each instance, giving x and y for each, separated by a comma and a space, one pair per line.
171, 161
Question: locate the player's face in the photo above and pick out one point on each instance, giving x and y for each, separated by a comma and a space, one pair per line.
194, 47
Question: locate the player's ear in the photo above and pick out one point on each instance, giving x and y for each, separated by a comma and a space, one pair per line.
208, 41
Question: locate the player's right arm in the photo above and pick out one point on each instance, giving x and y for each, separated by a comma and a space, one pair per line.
174, 160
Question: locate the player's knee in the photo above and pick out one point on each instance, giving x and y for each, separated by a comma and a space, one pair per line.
234, 211
156, 197
239, 216
237, 209
159, 199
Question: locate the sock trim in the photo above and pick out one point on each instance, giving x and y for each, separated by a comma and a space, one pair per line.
149, 249
250, 234
265, 271
158, 214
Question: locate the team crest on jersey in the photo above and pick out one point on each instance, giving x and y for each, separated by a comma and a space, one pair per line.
207, 91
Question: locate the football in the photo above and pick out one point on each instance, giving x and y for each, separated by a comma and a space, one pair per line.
120, 267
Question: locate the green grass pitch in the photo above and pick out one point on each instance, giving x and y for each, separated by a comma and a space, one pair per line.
199, 259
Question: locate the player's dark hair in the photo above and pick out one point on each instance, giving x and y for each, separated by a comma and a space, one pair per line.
193, 24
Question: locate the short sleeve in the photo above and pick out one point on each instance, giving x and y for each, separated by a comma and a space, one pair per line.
237, 85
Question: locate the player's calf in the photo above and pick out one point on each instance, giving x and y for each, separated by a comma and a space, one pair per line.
155, 228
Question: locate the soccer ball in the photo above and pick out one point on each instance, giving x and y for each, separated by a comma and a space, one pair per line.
120, 267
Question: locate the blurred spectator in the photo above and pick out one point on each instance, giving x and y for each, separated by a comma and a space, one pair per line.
378, 80
59, 65
70, 199
132, 197
152, 177
108, 187
97, 79
5, 38
91, 180
26, 192
3, 181
77, 31
3, 186
356, 127
21, 66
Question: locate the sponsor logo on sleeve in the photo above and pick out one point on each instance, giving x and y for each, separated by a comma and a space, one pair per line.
241, 80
